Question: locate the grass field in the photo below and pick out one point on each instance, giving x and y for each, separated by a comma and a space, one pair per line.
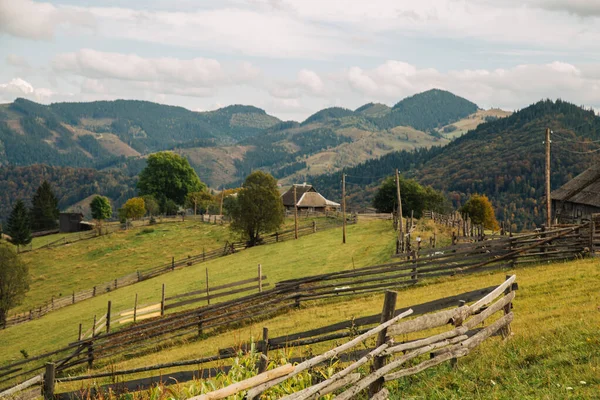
554, 352
368, 243
61, 270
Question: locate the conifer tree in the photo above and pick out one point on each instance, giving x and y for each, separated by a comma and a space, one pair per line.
18, 227
44, 210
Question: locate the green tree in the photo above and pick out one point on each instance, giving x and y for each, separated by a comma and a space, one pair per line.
170, 207
14, 281
19, 226
415, 197
101, 209
259, 208
480, 210
200, 200
168, 176
151, 205
44, 210
134, 208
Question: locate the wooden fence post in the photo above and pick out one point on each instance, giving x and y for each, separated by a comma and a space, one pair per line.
108, 316
458, 322
94, 292
506, 329
135, 308
414, 270
434, 240
116, 284
73, 302
79, 336
592, 232
90, 354
259, 278
94, 327
162, 301
314, 224
138, 275
172, 263
264, 350
389, 306
207, 291
49, 378
276, 237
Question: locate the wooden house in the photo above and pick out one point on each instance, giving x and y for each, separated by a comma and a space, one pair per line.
73, 222
578, 199
307, 199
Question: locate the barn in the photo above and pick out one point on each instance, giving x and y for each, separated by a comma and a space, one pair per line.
73, 222
578, 199
307, 198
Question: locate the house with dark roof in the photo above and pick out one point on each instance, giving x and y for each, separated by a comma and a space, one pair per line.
307, 198
578, 199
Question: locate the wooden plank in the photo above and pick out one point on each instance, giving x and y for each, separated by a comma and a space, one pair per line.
225, 286
212, 296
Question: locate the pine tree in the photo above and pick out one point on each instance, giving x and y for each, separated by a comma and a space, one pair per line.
44, 211
18, 227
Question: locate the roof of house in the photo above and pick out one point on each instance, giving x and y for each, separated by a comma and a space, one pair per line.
583, 189
316, 200
288, 197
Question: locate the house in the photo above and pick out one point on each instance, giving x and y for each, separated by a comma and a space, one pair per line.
578, 199
308, 199
73, 222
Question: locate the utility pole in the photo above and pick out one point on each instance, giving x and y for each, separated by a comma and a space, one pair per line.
221, 207
295, 214
400, 246
343, 207
548, 200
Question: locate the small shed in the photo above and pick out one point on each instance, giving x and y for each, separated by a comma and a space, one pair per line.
307, 199
578, 199
73, 222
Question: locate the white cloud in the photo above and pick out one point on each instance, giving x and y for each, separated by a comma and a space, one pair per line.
39, 21
18, 87
195, 77
311, 81
581, 8
508, 88
17, 61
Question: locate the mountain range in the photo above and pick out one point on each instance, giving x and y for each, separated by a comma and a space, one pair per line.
224, 145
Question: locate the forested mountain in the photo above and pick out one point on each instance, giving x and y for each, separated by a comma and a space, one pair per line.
69, 184
428, 110
503, 159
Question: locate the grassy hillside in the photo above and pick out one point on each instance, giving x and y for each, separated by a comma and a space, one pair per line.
368, 243
552, 353
60, 271
462, 126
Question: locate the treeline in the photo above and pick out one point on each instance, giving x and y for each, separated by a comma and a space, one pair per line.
69, 184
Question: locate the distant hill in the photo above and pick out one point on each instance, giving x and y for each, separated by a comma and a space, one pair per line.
70, 185
373, 110
427, 110
503, 158
84, 134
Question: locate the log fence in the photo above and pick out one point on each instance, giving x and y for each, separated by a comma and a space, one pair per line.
129, 279
562, 243
426, 347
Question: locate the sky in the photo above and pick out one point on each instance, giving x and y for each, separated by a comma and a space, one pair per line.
295, 57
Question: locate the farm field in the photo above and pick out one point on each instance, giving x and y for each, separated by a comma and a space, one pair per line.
552, 354
368, 243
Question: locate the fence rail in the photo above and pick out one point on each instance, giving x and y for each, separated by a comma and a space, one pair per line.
464, 332
561, 243
129, 279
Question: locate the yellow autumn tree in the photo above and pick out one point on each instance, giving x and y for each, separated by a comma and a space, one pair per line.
134, 208
480, 210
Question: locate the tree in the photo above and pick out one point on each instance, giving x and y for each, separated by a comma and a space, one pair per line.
415, 198
18, 227
134, 208
44, 210
14, 281
199, 199
151, 205
480, 210
170, 208
259, 207
101, 209
168, 176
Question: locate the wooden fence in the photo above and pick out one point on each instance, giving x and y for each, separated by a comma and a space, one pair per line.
464, 332
558, 244
129, 279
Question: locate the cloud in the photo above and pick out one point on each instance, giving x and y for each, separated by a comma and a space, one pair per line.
17, 61
39, 21
166, 75
581, 8
18, 87
510, 88
307, 83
